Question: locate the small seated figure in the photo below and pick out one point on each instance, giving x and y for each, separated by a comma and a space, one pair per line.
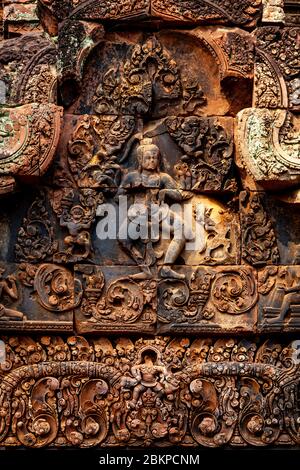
8, 287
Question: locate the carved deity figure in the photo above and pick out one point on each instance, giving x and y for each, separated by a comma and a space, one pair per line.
151, 187
286, 293
78, 236
147, 374
8, 287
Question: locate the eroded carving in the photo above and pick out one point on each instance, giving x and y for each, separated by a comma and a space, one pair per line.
279, 303
30, 135
220, 11
259, 242
278, 67
269, 148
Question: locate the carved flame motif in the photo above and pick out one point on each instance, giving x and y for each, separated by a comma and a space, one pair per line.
149, 77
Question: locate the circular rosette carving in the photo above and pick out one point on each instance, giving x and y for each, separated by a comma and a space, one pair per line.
125, 300
174, 297
55, 288
233, 292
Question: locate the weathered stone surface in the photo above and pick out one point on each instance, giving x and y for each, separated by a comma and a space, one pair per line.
259, 241
21, 17
36, 298
273, 11
268, 148
270, 229
75, 42
243, 14
152, 149
28, 70
190, 390
277, 68
29, 136
98, 151
118, 78
220, 299
279, 299
97, 9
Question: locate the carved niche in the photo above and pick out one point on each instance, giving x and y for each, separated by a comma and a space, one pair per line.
149, 159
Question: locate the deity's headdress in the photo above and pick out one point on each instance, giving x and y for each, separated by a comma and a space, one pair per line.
145, 144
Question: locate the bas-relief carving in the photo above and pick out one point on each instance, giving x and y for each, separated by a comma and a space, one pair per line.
149, 116
28, 69
123, 81
36, 297
209, 299
29, 136
30, 121
147, 392
277, 68
243, 14
268, 147
279, 303
114, 298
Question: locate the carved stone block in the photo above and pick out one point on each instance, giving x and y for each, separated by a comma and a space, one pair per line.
270, 229
28, 230
273, 11
98, 151
36, 297
259, 241
92, 149
268, 148
115, 299
277, 68
28, 138
279, 299
97, 9
21, 17
243, 14
28, 70
117, 79
220, 299
212, 233
72, 55
154, 392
